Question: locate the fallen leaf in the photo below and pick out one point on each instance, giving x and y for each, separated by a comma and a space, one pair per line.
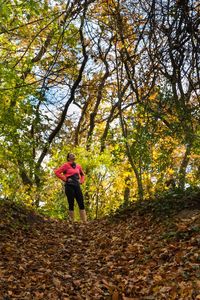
115, 295
56, 282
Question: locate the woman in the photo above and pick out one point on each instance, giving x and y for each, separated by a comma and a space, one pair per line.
72, 174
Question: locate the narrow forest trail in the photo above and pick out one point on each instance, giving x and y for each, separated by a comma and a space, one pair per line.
132, 256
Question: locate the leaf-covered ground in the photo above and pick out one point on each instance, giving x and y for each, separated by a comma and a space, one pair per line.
139, 254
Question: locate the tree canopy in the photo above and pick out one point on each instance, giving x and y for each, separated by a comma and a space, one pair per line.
116, 82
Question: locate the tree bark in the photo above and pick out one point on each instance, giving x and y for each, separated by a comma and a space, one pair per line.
183, 167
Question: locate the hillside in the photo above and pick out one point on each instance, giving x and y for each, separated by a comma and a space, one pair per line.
149, 251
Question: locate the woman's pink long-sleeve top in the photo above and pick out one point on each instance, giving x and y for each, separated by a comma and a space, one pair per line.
66, 170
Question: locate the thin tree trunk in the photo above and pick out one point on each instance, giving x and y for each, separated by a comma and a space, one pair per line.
183, 167
133, 165
127, 191
125, 135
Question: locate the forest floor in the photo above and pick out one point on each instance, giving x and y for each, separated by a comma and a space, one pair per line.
150, 251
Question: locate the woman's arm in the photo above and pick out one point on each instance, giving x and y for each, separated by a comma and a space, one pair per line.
60, 172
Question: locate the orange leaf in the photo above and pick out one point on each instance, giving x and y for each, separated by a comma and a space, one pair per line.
115, 295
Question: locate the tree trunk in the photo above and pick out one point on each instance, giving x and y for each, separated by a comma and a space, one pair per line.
128, 151
183, 167
127, 191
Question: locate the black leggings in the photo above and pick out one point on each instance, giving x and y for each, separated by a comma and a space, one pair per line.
74, 192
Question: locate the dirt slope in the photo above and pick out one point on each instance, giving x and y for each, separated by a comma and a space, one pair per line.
134, 255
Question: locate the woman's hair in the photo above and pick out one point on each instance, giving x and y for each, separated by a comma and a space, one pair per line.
68, 155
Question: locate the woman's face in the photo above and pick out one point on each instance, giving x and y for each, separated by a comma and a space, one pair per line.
71, 157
